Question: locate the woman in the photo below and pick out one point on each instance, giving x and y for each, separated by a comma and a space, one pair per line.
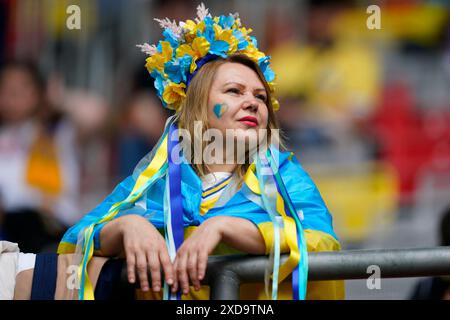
38, 162
174, 211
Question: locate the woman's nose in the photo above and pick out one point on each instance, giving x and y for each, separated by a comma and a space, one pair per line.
251, 104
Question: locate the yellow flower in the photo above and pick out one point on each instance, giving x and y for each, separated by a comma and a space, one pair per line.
173, 94
190, 25
157, 61
227, 36
252, 52
199, 48
193, 27
246, 31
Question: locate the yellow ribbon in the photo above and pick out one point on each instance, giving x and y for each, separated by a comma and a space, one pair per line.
157, 162
290, 229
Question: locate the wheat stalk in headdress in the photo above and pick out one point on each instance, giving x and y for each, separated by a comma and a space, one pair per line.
171, 25
202, 12
148, 49
237, 18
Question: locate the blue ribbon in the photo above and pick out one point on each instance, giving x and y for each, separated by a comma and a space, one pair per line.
200, 63
299, 279
176, 204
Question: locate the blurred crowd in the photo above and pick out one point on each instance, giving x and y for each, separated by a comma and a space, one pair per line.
366, 111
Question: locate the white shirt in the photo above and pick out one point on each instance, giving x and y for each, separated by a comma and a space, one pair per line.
15, 143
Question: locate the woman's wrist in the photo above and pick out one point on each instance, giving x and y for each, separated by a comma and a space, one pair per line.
112, 234
126, 222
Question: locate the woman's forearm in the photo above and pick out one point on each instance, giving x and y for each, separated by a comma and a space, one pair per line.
238, 233
111, 238
243, 235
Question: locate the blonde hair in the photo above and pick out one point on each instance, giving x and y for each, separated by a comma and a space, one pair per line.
195, 107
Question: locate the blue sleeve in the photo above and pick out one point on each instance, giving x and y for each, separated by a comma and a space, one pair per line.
152, 211
119, 193
306, 197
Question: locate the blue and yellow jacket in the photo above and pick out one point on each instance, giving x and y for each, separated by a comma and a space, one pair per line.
317, 221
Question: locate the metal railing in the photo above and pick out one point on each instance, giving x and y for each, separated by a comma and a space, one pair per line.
225, 274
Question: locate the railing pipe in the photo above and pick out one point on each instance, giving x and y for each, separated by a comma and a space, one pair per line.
225, 273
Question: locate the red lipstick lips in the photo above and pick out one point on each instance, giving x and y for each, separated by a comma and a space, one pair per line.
250, 121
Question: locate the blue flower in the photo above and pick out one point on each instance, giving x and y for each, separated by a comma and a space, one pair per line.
219, 48
209, 34
269, 74
242, 43
170, 37
226, 22
159, 47
265, 68
177, 69
159, 82
208, 21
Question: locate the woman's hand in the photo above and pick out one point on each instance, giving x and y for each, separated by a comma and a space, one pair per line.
145, 249
192, 256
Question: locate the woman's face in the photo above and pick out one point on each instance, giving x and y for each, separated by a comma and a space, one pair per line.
237, 100
18, 95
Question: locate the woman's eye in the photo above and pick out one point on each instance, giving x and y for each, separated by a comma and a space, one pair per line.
261, 97
233, 90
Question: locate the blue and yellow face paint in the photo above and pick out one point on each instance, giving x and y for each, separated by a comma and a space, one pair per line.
219, 109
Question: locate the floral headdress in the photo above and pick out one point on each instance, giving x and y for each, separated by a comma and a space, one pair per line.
190, 44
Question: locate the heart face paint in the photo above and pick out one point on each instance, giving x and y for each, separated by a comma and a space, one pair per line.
220, 109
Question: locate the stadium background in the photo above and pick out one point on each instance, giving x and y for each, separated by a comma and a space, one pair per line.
366, 111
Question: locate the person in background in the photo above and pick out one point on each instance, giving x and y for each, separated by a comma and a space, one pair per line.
39, 170
140, 124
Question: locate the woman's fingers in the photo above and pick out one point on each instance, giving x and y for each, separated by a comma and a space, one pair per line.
145, 250
131, 263
167, 266
182, 273
175, 277
141, 267
192, 270
202, 264
155, 270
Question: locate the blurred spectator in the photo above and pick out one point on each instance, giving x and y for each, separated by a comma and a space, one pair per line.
142, 123
139, 125
39, 170
90, 113
436, 288
336, 81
